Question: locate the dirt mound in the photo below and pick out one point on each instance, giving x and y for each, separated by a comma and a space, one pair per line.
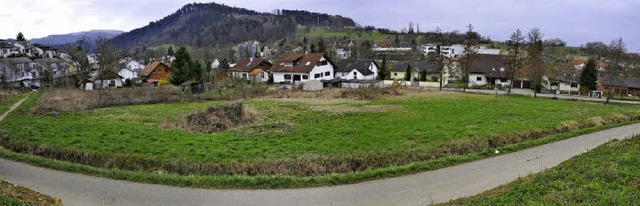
216, 119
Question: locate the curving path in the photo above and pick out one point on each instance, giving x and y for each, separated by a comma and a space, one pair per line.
418, 189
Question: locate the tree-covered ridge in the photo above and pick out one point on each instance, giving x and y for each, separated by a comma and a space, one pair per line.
214, 25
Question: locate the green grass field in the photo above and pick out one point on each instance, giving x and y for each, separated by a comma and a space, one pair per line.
326, 129
299, 142
8, 101
607, 175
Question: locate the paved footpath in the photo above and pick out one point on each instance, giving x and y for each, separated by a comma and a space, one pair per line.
418, 189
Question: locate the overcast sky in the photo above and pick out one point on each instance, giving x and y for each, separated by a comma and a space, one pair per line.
575, 21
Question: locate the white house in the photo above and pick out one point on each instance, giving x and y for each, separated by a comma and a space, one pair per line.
292, 68
253, 69
102, 80
20, 72
7, 49
565, 82
489, 69
56, 67
357, 69
215, 64
129, 69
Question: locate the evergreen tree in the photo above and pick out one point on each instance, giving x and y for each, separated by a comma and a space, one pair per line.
589, 76
224, 65
170, 51
423, 75
312, 48
20, 37
407, 75
322, 48
382, 73
397, 40
181, 67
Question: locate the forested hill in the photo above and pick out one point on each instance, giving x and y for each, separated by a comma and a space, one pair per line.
211, 24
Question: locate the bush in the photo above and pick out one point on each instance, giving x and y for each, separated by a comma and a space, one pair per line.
215, 119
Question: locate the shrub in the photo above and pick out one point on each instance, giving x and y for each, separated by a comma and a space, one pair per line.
215, 119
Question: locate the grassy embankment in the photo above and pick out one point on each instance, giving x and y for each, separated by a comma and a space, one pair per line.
607, 175
17, 196
300, 143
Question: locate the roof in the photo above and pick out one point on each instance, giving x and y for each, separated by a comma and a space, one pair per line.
248, 64
361, 66
303, 63
430, 67
628, 82
490, 65
12, 63
150, 67
108, 74
255, 72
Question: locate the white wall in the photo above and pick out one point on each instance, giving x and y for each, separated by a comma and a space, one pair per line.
473, 80
128, 74
566, 87
135, 66
279, 77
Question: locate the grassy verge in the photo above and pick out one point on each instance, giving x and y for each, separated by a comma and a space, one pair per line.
607, 175
283, 181
16, 195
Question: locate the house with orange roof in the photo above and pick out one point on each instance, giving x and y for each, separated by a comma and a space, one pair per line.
291, 68
253, 69
155, 71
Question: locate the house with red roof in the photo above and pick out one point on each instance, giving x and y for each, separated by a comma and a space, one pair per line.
253, 69
292, 68
156, 71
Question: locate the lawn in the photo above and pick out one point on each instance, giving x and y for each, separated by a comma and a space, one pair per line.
375, 133
7, 101
16, 195
607, 175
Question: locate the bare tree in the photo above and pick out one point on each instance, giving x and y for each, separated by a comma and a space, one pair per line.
515, 57
107, 54
78, 52
471, 41
617, 49
536, 64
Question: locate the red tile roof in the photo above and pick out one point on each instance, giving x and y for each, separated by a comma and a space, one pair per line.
248, 64
303, 63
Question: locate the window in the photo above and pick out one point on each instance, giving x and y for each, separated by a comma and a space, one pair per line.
262, 75
20, 66
395, 74
574, 85
33, 74
287, 76
478, 78
244, 75
287, 64
305, 77
316, 76
327, 74
322, 63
